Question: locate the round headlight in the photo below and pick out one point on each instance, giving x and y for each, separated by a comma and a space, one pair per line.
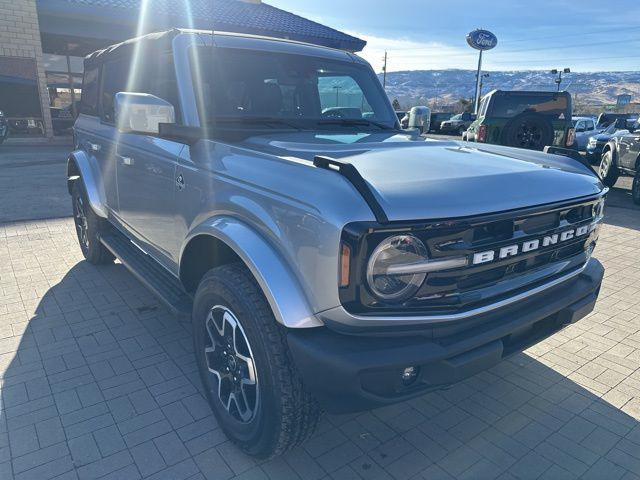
399, 249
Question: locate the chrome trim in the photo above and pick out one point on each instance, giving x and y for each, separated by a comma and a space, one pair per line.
427, 266
339, 314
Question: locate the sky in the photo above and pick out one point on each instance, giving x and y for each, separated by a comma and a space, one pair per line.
584, 35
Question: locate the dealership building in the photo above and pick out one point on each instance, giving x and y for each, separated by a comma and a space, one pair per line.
43, 42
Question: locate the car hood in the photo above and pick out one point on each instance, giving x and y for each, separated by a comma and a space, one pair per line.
602, 137
442, 179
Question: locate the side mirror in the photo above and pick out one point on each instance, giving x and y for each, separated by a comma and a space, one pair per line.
142, 112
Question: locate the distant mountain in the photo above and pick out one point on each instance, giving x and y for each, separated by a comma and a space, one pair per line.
448, 86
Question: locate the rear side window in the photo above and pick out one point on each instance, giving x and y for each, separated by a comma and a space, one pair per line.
508, 106
90, 83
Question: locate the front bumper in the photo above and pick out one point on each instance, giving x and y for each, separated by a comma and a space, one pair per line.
348, 373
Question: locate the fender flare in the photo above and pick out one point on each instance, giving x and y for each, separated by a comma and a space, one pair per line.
276, 280
79, 165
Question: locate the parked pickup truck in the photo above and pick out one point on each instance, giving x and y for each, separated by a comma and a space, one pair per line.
328, 260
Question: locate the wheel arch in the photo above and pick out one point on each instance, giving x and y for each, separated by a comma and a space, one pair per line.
222, 240
79, 168
611, 147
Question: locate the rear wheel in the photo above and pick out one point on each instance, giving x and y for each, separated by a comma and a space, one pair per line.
635, 188
608, 170
249, 379
88, 227
531, 131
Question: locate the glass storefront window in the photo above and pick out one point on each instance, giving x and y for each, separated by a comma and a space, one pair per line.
63, 73
19, 96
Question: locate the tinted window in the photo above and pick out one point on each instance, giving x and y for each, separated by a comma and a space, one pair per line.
90, 82
299, 90
115, 76
153, 74
511, 105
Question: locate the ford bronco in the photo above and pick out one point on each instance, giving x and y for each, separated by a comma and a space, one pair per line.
328, 260
523, 119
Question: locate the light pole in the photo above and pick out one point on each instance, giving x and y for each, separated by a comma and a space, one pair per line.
482, 77
559, 73
384, 71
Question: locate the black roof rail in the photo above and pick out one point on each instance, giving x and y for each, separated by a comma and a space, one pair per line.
351, 173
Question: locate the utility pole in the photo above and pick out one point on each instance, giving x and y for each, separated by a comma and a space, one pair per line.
482, 77
558, 79
384, 71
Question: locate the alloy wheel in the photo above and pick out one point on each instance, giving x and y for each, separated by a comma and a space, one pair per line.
82, 226
529, 136
230, 363
605, 165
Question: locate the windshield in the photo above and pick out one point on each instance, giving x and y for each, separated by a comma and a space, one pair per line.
510, 105
457, 117
248, 89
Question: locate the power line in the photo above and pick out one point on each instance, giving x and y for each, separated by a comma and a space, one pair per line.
550, 37
432, 51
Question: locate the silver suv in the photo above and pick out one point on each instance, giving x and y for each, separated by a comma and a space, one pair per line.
328, 260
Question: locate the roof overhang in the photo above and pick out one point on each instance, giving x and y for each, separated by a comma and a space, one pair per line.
90, 27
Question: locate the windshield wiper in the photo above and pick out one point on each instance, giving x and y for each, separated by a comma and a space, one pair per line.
347, 122
253, 119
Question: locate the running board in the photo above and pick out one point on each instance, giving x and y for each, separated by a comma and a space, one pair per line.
153, 276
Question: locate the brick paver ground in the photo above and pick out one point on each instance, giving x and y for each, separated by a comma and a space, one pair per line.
98, 381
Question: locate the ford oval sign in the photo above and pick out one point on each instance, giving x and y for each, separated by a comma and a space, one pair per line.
482, 40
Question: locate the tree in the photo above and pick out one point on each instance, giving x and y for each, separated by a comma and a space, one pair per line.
396, 104
466, 104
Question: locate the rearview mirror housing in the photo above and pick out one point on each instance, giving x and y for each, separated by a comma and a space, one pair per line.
142, 113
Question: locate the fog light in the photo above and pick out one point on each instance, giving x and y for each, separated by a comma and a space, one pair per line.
409, 375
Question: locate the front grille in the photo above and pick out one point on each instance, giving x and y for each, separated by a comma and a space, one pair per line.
473, 286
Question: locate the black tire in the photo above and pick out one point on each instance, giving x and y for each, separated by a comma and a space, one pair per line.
88, 227
461, 131
608, 170
279, 413
635, 188
528, 130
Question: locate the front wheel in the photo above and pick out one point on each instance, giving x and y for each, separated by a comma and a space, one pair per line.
635, 188
249, 378
608, 171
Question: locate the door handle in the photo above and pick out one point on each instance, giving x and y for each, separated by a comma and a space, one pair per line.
94, 147
127, 161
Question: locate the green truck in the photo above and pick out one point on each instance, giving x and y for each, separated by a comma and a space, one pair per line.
524, 119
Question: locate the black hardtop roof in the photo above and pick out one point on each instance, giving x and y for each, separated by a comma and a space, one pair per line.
529, 92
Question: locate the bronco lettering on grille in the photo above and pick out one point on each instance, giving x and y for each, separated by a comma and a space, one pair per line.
531, 245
